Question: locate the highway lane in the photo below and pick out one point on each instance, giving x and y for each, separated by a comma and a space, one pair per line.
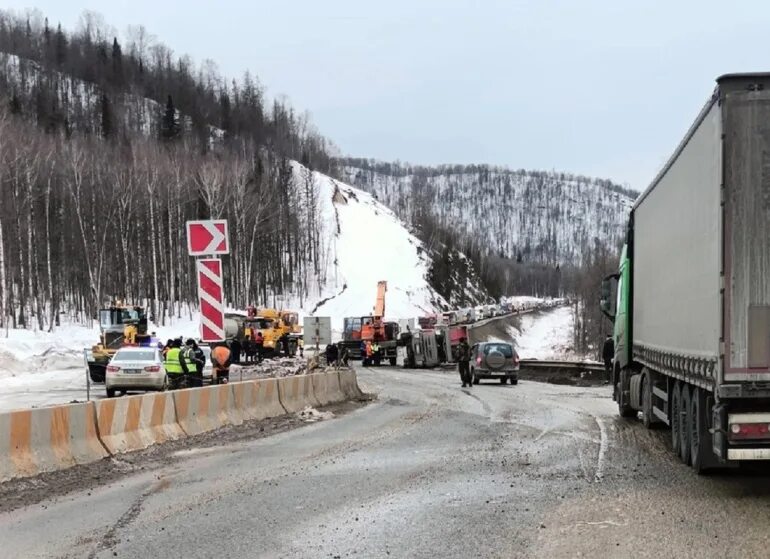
427, 470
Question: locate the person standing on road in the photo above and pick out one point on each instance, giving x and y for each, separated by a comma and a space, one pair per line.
376, 353
195, 360
608, 354
463, 358
174, 364
331, 354
235, 351
220, 361
259, 345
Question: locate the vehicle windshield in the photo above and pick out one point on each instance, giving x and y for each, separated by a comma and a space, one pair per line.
262, 324
505, 349
134, 356
129, 315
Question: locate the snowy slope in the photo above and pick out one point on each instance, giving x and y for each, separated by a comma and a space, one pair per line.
367, 243
546, 335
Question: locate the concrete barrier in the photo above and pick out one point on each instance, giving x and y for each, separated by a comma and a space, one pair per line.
349, 385
258, 399
326, 387
296, 393
46, 439
199, 410
136, 422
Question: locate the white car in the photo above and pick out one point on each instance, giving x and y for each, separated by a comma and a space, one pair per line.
135, 368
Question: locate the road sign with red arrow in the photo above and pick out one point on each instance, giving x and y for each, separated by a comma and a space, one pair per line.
208, 237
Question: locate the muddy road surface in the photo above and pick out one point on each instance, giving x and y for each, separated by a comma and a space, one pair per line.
426, 470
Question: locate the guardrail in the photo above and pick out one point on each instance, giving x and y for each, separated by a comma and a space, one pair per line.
553, 364
52, 438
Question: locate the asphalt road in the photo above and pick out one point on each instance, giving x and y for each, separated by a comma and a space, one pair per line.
427, 470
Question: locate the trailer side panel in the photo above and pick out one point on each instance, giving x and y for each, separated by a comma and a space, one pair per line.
677, 258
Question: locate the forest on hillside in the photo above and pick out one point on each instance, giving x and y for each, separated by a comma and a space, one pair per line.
106, 149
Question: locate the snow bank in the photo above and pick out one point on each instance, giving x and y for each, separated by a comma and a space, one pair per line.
30, 351
546, 335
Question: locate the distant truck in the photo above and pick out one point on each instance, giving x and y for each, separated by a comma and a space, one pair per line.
691, 299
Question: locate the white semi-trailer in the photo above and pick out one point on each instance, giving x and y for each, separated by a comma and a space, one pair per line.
691, 301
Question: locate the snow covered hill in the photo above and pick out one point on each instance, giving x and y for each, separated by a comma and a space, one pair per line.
365, 242
543, 217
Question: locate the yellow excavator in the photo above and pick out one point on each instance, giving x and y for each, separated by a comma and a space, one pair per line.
119, 325
280, 330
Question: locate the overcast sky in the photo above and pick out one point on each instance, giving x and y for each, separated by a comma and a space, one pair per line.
600, 87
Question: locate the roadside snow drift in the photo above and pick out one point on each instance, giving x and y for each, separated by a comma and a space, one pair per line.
546, 335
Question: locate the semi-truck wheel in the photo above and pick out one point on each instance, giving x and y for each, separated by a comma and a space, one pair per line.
624, 409
699, 434
676, 409
647, 418
684, 425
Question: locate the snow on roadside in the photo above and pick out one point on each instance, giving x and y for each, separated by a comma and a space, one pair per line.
24, 352
29, 351
546, 335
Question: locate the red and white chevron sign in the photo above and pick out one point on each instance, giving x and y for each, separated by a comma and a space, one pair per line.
207, 237
211, 298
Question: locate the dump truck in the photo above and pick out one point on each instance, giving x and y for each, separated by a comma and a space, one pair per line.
119, 325
691, 298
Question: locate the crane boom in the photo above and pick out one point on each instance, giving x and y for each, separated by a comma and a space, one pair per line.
379, 306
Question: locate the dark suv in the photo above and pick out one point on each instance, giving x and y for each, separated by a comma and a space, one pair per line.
494, 360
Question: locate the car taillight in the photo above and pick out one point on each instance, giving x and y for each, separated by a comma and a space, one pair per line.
112, 368
152, 368
478, 360
515, 359
749, 430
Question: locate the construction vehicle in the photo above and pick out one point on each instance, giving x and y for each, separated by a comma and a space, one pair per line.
119, 326
690, 301
372, 328
280, 330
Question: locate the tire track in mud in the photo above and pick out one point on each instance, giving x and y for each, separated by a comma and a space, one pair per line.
603, 441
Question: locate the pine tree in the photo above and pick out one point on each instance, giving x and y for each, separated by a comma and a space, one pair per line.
61, 47
169, 127
106, 110
117, 62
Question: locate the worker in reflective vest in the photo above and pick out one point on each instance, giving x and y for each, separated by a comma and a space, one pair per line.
376, 353
175, 364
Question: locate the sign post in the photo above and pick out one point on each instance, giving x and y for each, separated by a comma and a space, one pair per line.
317, 330
209, 238
211, 299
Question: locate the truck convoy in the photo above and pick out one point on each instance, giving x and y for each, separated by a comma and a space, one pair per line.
691, 307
